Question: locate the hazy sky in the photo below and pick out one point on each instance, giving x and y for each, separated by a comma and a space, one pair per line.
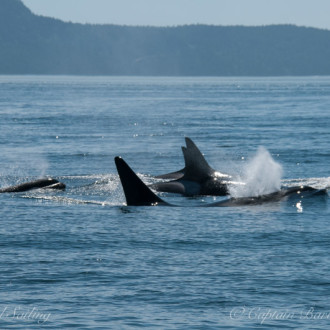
315, 13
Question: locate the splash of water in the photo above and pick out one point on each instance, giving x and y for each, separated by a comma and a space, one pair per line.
261, 175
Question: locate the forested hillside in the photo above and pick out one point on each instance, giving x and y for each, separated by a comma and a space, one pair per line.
31, 44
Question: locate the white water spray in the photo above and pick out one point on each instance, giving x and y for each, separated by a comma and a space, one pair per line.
261, 175
25, 162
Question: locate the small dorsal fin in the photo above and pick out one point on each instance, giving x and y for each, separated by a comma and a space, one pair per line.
136, 192
172, 176
196, 166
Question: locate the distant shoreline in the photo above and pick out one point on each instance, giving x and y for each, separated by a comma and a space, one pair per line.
35, 45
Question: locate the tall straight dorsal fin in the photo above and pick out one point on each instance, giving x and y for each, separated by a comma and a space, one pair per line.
136, 192
196, 166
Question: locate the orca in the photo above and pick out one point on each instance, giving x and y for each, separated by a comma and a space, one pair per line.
299, 192
196, 178
36, 184
138, 194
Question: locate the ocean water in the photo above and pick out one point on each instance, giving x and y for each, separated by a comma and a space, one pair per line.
82, 259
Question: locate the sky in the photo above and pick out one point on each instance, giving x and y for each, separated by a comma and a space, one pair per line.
311, 13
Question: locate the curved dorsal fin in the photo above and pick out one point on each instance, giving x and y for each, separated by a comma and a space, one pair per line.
196, 166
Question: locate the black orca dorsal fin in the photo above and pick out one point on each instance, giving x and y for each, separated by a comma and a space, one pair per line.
136, 192
196, 165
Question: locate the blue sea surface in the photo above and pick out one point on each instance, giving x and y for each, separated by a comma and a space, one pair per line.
80, 258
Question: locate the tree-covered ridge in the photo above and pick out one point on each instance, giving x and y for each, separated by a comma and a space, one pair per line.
31, 44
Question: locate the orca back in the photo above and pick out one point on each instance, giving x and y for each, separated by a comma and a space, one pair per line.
36, 184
